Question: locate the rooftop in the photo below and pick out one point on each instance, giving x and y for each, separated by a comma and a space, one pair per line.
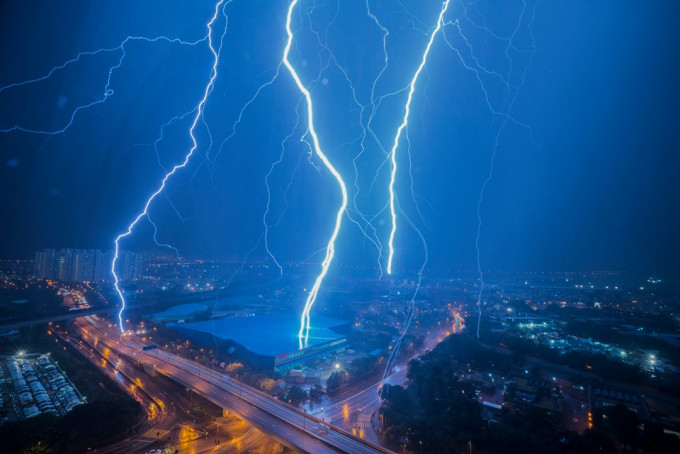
270, 334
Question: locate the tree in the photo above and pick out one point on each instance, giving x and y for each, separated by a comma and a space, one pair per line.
296, 395
316, 392
269, 384
38, 448
334, 382
362, 368
234, 368
624, 424
398, 411
437, 413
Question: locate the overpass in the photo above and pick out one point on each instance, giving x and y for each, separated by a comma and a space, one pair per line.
291, 426
57, 318
67, 316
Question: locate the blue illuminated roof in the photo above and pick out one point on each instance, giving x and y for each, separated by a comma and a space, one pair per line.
270, 334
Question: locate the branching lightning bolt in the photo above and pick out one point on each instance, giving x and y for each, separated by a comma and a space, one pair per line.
303, 334
310, 138
505, 113
161, 187
391, 360
366, 222
108, 91
265, 215
513, 91
404, 123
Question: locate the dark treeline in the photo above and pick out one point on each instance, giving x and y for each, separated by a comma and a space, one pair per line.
599, 364
438, 413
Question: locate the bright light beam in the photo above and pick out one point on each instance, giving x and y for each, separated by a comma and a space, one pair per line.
330, 249
404, 123
161, 188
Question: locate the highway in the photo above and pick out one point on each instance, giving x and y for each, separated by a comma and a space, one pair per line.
353, 408
166, 418
354, 413
290, 425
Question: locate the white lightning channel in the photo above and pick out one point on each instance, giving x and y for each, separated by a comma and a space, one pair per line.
161, 187
404, 123
303, 334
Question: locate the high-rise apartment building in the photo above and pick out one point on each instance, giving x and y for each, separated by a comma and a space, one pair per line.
85, 265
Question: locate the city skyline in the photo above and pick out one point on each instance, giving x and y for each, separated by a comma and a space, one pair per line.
433, 227
573, 191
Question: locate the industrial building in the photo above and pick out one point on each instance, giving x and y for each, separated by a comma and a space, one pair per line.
268, 341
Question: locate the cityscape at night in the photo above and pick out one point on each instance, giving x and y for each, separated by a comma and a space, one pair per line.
305, 226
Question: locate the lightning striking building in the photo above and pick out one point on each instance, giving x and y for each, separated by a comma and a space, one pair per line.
268, 341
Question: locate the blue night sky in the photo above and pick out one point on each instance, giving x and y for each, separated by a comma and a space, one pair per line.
578, 100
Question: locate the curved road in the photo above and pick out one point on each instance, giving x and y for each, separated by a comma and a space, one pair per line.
290, 425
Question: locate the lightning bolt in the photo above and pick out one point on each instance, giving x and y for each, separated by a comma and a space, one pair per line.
310, 138
165, 245
506, 114
303, 334
402, 126
107, 92
266, 225
199, 114
366, 222
507, 118
155, 144
411, 305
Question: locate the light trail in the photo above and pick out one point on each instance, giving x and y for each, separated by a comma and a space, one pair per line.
199, 113
303, 334
404, 123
